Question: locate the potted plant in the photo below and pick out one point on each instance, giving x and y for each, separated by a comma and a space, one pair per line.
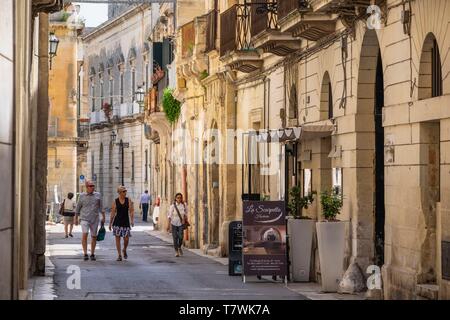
171, 106
107, 110
331, 241
300, 230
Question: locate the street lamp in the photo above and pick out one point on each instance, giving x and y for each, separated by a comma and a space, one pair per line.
53, 47
122, 146
140, 97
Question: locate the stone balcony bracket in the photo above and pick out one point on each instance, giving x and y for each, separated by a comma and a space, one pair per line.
310, 26
158, 121
193, 66
180, 95
243, 61
277, 42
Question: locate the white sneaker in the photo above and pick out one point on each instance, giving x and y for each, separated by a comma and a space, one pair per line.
180, 251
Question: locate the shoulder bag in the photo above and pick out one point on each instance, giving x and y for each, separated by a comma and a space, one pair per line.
61, 209
185, 224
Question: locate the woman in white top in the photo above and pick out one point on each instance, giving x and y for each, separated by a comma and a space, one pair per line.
69, 206
177, 218
155, 214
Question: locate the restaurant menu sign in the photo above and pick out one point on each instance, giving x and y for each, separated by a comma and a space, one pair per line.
264, 238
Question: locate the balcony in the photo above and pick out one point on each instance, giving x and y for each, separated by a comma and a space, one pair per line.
192, 62
236, 48
155, 117
187, 39
127, 112
307, 19
265, 31
97, 117
316, 19
211, 30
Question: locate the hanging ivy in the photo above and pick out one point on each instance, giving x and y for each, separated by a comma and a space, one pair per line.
171, 106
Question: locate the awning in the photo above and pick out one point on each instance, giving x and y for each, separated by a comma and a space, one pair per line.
304, 132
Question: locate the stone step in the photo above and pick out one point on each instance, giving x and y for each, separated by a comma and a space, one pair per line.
427, 291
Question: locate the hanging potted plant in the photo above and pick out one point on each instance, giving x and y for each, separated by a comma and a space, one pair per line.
171, 106
331, 241
107, 110
300, 230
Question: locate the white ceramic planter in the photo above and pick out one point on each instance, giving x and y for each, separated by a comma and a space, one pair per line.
300, 241
331, 243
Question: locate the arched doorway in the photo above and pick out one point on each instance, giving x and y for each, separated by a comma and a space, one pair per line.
370, 171
430, 86
205, 233
214, 199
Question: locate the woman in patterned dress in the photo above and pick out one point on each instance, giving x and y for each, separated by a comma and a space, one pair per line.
121, 221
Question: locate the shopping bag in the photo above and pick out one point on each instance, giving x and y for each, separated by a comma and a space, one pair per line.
101, 233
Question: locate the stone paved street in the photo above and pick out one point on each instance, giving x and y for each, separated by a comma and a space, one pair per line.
151, 272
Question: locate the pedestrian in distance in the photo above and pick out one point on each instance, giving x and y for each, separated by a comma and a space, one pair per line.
121, 221
155, 214
68, 212
87, 214
177, 217
146, 201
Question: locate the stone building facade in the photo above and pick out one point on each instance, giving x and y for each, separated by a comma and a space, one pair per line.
64, 117
116, 63
168, 177
23, 141
364, 88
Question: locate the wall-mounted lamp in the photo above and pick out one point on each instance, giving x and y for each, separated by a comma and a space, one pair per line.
113, 136
53, 47
140, 97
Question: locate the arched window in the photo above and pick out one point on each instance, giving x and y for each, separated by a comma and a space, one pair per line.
326, 98
430, 71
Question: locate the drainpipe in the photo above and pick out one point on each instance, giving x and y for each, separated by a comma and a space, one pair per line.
41, 161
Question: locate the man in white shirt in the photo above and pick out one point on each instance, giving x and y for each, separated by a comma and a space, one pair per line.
146, 200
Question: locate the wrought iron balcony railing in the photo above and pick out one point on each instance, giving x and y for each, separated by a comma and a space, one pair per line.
285, 7
211, 30
263, 16
241, 22
235, 29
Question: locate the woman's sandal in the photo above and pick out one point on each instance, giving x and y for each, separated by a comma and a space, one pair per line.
119, 258
125, 256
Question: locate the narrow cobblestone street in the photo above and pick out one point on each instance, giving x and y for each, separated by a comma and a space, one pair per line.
151, 272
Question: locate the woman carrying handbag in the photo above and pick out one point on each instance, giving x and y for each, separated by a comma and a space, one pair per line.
177, 223
68, 212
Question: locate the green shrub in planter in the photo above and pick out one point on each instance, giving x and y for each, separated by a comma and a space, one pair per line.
171, 106
331, 204
297, 203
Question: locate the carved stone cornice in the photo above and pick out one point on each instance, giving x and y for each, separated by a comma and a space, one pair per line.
47, 6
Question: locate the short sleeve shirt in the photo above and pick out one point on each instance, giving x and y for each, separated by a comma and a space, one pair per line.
173, 215
145, 198
89, 207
